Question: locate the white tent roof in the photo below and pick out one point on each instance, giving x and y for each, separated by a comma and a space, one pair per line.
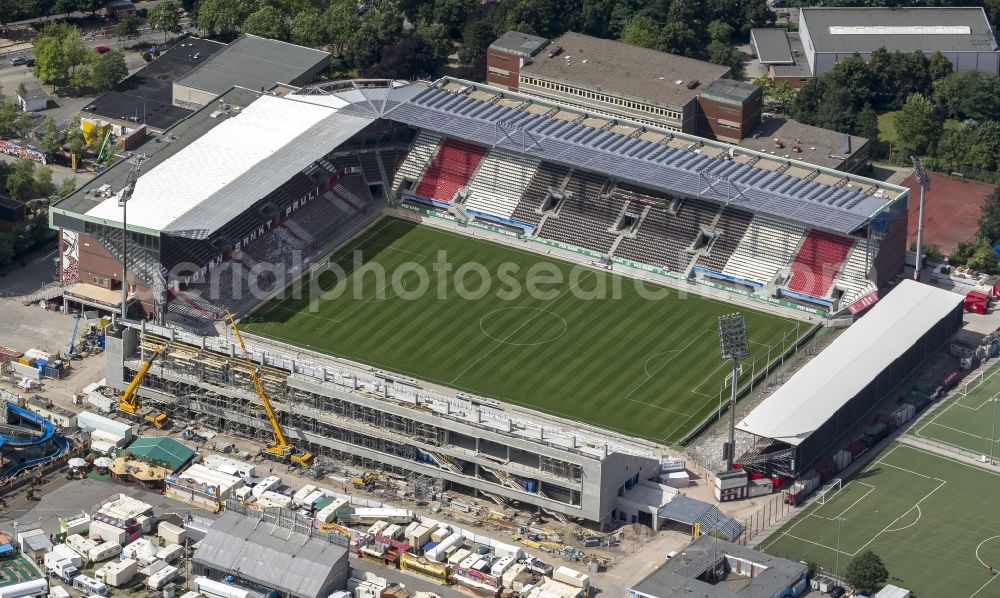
214, 161
815, 393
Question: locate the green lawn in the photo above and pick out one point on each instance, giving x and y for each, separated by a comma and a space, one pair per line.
647, 367
887, 126
965, 420
931, 519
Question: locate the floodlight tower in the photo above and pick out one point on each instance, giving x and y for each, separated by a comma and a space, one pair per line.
123, 196
925, 184
735, 344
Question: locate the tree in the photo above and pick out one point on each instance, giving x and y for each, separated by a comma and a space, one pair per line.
436, 36
267, 22
780, 95
23, 125
22, 179
969, 94
127, 27
642, 31
983, 258
726, 55
408, 58
867, 123
66, 187
866, 572
51, 66
43, 181
989, 220
50, 135
916, 125
720, 31
452, 14
165, 16
476, 37
342, 21
109, 70
679, 38
224, 17
939, 67
309, 29
8, 114
74, 136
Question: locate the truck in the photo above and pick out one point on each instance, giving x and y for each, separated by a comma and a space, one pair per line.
60, 566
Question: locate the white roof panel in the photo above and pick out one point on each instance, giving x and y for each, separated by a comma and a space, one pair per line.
215, 160
815, 393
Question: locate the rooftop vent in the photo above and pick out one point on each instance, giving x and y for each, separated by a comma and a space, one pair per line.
556, 51
693, 84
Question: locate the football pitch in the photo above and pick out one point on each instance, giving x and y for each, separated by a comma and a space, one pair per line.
966, 419
575, 342
930, 518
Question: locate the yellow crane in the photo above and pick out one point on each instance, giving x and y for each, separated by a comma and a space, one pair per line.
281, 447
129, 401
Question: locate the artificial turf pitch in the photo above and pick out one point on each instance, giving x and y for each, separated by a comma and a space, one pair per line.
932, 519
967, 418
647, 367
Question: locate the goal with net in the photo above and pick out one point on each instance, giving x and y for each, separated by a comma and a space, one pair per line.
828, 491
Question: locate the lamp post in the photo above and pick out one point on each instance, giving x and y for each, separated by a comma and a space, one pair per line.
735, 344
925, 184
840, 520
993, 435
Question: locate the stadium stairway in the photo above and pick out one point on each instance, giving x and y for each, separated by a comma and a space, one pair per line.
664, 238
425, 146
350, 197
729, 229
818, 262
548, 177
854, 280
503, 476
445, 461
339, 202
295, 228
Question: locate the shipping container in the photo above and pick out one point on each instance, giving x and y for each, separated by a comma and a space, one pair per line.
572, 577
760, 488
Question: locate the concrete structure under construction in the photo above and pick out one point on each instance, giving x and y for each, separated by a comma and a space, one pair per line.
443, 442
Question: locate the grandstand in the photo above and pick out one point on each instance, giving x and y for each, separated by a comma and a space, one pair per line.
247, 194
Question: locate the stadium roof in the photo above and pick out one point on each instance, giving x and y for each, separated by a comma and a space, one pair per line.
827, 382
274, 557
631, 71
255, 63
685, 167
847, 30
772, 46
223, 172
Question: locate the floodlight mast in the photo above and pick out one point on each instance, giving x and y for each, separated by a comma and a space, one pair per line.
925, 184
735, 344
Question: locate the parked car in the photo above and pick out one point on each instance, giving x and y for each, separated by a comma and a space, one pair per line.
102, 49
18, 60
837, 592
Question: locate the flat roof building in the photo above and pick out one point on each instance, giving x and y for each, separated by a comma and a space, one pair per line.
251, 62
265, 557
963, 35
815, 145
615, 79
715, 568
506, 56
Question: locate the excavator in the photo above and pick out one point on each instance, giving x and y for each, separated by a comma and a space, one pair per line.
280, 448
129, 401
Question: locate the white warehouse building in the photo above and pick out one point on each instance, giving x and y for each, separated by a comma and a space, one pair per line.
963, 35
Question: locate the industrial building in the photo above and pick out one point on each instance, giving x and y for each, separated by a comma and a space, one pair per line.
252, 62
271, 560
832, 393
611, 78
828, 35
713, 568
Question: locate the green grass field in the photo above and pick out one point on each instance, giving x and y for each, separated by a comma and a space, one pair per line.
965, 421
930, 518
646, 367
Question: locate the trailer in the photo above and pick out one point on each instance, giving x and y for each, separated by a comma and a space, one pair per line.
90, 586
170, 553
82, 546
267, 484
162, 577
171, 534
104, 551
328, 514
118, 573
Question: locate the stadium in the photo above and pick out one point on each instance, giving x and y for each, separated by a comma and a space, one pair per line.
265, 205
